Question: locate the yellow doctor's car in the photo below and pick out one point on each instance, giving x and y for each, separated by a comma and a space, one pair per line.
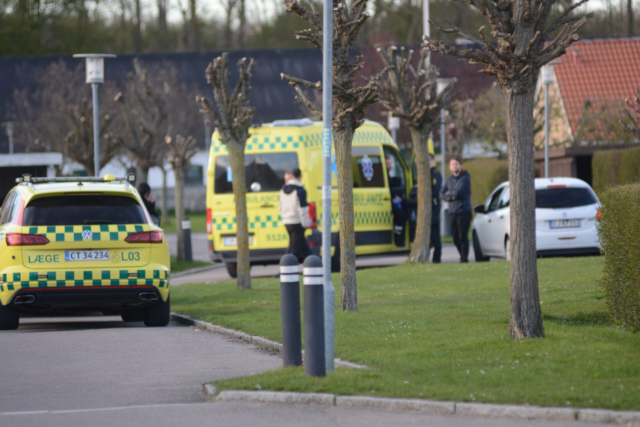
81, 245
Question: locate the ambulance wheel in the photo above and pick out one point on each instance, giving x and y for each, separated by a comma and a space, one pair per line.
132, 316
9, 317
232, 269
335, 261
159, 314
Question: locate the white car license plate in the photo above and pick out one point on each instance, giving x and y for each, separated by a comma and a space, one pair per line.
565, 223
232, 241
87, 256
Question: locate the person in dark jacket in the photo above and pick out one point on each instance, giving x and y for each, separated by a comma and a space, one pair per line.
294, 211
457, 191
436, 185
149, 201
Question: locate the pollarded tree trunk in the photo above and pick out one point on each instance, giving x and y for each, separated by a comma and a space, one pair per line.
179, 200
236, 159
343, 137
526, 316
142, 173
420, 249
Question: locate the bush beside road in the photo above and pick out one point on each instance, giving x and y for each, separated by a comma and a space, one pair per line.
441, 332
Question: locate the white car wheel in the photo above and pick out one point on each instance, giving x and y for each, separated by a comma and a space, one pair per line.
507, 249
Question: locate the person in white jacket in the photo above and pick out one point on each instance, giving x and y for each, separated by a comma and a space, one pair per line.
294, 211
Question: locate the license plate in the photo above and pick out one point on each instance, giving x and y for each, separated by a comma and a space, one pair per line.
232, 241
87, 256
565, 223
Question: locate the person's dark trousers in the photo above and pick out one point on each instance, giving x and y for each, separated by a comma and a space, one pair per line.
460, 223
436, 243
298, 245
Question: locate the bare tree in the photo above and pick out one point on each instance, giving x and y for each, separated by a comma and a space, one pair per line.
409, 92
137, 28
521, 29
144, 119
232, 118
460, 126
351, 105
632, 110
40, 114
181, 150
79, 141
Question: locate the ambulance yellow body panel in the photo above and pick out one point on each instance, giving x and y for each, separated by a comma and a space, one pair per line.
77, 246
276, 148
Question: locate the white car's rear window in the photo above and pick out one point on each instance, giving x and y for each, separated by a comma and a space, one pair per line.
564, 197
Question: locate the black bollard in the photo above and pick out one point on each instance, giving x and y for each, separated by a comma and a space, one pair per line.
290, 310
188, 250
314, 357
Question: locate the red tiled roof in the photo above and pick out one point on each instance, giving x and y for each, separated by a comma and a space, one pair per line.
598, 70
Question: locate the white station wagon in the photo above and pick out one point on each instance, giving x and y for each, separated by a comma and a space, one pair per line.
566, 211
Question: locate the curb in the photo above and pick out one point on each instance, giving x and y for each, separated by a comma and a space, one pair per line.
197, 270
256, 340
431, 407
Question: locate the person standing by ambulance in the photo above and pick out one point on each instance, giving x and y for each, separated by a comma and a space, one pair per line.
294, 211
457, 191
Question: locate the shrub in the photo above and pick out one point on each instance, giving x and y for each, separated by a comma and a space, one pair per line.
619, 232
615, 167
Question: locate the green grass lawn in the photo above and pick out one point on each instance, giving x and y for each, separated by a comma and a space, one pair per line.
198, 222
178, 266
441, 332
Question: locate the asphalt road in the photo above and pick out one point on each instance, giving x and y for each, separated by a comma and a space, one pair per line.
449, 255
99, 371
96, 362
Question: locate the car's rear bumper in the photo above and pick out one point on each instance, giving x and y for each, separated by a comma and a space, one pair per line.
106, 299
567, 241
569, 252
14, 280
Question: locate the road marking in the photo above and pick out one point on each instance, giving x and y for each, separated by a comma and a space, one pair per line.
115, 408
24, 413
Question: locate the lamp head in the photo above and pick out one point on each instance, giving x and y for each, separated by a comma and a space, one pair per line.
94, 66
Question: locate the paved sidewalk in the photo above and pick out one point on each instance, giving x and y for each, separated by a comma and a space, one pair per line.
449, 255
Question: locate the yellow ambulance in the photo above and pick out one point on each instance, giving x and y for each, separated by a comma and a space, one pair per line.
379, 174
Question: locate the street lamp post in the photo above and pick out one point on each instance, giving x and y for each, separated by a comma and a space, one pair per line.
441, 85
393, 124
9, 128
547, 79
95, 75
327, 117
425, 25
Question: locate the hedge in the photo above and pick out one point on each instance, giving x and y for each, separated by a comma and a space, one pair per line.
619, 232
615, 167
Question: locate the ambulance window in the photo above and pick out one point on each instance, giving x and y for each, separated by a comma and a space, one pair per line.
394, 169
83, 210
267, 169
367, 167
